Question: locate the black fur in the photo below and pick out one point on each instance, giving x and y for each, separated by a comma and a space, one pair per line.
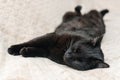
76, 42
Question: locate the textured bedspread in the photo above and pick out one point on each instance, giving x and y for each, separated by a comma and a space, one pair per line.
22, 20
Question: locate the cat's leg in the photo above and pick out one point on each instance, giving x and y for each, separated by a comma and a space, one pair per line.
34, 52
45, 41
78, 10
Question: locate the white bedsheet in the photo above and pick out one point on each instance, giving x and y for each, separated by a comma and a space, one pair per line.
22, 20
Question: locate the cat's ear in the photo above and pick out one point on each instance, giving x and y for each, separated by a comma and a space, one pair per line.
103, 12
102, 65
78, 10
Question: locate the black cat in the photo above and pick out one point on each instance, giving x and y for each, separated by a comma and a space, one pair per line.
76, 42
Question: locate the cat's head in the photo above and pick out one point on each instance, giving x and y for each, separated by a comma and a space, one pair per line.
83, 56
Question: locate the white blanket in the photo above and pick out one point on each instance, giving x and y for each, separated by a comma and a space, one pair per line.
22, 20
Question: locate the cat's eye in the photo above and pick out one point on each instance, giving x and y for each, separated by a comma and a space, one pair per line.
76, 50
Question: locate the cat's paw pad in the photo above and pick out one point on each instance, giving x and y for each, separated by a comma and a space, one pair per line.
14, 50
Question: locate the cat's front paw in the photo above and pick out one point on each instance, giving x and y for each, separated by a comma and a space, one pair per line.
14, 50
27, 52
24, 52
